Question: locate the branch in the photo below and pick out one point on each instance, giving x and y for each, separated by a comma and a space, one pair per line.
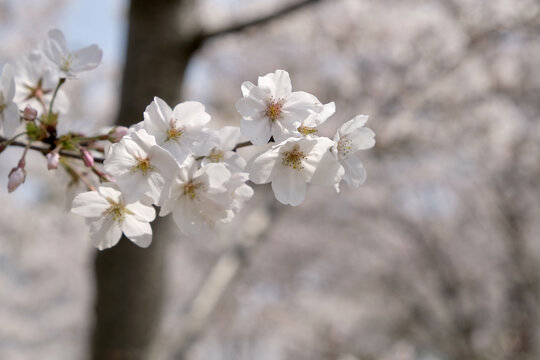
234, 28
45, 150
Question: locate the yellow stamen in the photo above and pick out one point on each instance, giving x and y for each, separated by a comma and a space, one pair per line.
294, 158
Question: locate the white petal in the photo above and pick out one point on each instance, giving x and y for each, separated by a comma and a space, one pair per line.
105, 233
289, 186
87, 58
139, 232
355, 173
257, 131
278, 84
353, 124
11, 119
260, 167
246, 87
89, 204
362, 139
329, 171
142, 212
251, 107
8, 83
187, 217
301, 104
191, 113
228, 136
217, 174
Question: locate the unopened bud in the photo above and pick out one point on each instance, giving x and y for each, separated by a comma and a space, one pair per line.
53, 159
29, 113
16, 177
87, 157
118, 133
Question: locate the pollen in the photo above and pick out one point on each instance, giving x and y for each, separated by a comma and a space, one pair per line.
117, 212
294, 158
274, 109
344, 147
174, 133
143, 165
216, 155
306, 130
191, 189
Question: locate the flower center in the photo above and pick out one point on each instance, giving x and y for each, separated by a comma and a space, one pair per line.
274, 108
344, 147
306, 130
216, 155
117, 212
143, 165
294, 158
173, 133
66, 62
191, 189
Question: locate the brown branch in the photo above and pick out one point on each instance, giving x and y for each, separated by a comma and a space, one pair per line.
234, 28
45, 150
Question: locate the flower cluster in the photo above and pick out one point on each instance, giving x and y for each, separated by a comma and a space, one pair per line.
173, 159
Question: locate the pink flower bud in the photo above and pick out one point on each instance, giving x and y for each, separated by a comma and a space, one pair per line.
29, 113
16, 177
87, 157
53, 159
118, 133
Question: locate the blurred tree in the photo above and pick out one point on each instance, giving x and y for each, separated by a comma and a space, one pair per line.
163, 36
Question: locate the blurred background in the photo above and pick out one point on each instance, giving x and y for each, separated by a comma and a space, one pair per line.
434, 258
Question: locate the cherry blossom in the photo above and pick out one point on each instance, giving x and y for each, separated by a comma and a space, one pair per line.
35, 84
350, 138
272, 109
226, 139
66, 63
290, 165
109, 215
197, 197
139, 166
180, 131
9, 112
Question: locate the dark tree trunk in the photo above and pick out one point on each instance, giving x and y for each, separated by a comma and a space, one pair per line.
130, 279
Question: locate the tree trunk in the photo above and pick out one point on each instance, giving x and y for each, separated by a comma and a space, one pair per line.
130, 279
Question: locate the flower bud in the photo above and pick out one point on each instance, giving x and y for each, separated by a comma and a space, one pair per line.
29, 113
16, 176
87, 157
53, 159
117, 133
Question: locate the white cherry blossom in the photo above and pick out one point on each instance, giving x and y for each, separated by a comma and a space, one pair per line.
36, 83
272, 109
310, 124
180, 131
290, 165
239, 191
109, 215
226, 140
350, 138
198, 198
66, 63
139, 166
9, 112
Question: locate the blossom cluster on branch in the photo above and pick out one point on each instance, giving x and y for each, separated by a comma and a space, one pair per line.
172, 159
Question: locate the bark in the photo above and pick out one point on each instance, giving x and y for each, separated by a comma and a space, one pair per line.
130, 279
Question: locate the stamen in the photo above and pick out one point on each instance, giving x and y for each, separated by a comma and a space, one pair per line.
294, 158
173, 133
191, 189
143, 165
344, 147
274, 108
306, 130
117, 212
216, 155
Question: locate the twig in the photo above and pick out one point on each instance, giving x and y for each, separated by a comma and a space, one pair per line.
45, 150
259, 21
